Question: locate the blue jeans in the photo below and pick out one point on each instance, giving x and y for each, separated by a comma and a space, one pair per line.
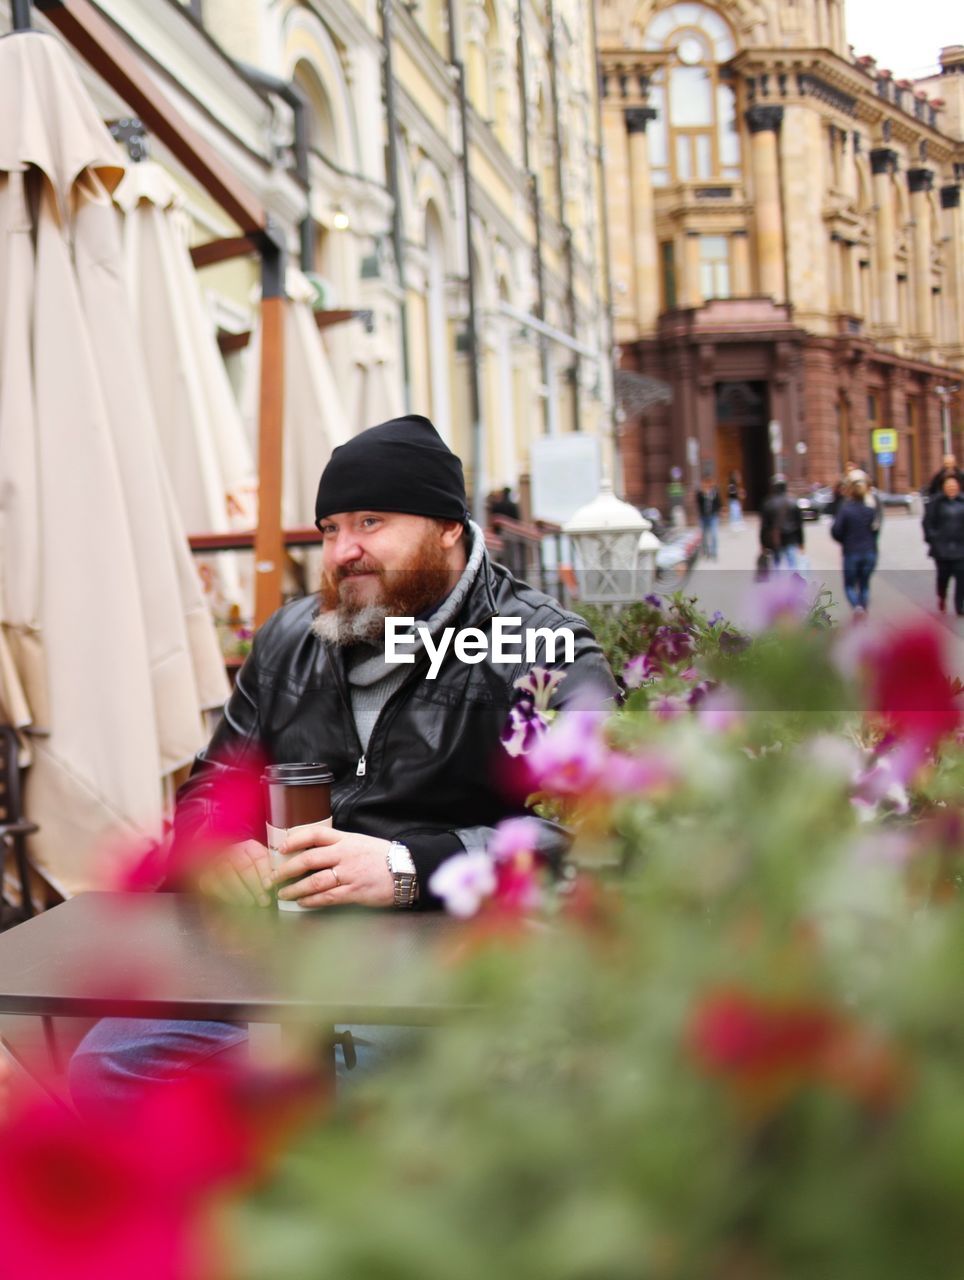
119, 1057
857, 568
711, 529
787, 557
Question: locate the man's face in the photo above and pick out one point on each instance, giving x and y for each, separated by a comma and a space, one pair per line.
378, 564
951, 487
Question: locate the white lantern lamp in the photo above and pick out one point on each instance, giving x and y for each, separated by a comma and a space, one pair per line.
609, 561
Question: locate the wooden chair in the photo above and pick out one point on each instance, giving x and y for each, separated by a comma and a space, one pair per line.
14, 829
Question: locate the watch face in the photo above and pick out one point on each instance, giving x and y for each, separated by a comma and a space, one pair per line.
400, 860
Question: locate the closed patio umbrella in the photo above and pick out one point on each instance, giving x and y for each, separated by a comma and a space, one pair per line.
208, 456
97, 614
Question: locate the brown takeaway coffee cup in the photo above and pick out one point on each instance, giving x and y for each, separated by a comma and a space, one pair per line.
294, 794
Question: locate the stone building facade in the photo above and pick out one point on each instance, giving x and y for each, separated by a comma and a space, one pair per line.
391, 236
787, 244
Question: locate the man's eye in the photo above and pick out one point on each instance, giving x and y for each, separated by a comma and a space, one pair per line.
370, 521
327, 530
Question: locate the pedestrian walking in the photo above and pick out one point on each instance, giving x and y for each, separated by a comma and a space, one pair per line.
944, 532
736, 496
781, 527
708, 505
949, 467
856, 526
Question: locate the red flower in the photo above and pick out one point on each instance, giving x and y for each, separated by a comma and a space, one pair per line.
909, 688
748, 1039
125, 1196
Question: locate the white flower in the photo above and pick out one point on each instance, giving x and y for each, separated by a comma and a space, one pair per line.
462, 882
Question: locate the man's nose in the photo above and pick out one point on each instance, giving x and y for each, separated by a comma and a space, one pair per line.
345, 548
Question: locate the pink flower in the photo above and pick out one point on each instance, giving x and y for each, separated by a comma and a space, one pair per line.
572, 757
910, 690
513, 838
628, 775
638, 670
525, 726
668, 707
783, 599
722, 710
125, 1196
738, 1035
463, 882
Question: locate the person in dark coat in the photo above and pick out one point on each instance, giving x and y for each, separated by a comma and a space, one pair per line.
949, 467
781, 525
708, 507
944, 531
856, 527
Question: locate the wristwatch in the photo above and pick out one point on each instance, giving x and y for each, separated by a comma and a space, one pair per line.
402, 867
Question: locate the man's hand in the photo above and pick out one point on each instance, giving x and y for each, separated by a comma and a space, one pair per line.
334, 867
240, 873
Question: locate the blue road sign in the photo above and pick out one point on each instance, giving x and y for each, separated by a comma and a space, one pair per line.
885, 459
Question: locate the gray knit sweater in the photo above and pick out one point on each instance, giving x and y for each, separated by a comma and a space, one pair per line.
372, 680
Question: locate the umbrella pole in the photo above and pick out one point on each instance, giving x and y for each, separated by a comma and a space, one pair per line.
268, 540
21, 15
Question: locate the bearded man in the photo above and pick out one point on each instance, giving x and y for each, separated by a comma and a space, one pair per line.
416, 761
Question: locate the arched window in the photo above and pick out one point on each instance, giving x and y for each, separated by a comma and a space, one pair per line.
695, 135
322, 134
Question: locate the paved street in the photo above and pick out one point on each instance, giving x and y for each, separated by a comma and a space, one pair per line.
902, 587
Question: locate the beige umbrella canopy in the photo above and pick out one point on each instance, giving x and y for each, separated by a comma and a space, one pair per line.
98, 615
315, 421
208, 455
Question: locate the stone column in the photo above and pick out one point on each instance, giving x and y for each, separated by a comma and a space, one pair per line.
920, 182
692, 289
764, 123
882, 164
741, 264
645, 249
953, 231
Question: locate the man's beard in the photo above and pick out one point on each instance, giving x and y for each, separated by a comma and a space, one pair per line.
403, 593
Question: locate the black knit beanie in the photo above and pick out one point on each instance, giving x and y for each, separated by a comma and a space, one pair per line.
403, 465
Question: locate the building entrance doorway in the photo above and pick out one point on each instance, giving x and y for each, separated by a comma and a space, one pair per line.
742, 443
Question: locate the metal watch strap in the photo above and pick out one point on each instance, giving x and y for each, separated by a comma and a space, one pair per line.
405, 883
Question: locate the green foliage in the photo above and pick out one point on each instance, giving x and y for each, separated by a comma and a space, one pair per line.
576, 1122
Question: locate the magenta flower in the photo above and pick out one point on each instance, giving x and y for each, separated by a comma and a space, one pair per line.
571, 757
670, 646
524, 727
628, 775
463, 882
540, 684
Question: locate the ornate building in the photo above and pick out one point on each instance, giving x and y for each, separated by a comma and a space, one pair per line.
787, 243
486, 290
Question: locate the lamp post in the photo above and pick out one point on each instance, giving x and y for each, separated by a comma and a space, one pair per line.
614, 550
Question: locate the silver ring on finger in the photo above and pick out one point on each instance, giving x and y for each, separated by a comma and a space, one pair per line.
335, 874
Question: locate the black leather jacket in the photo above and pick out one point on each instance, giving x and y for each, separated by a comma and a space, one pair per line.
944, 527
433, 775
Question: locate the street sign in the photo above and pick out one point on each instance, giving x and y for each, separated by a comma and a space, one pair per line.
885, 459
884, 440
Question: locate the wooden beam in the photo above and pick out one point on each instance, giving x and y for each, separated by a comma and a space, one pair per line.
228, 342
268, 542
243, 540
214, 251
324, 319
99, 43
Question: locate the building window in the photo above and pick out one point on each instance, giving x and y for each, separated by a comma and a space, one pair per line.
695, 135
667, 261
714, 267
872, 409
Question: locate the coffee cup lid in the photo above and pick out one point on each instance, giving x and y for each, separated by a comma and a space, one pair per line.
298, 775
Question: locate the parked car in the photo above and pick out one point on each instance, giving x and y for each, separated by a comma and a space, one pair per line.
906, 500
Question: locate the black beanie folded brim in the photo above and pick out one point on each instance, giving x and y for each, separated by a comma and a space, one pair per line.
403, 465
